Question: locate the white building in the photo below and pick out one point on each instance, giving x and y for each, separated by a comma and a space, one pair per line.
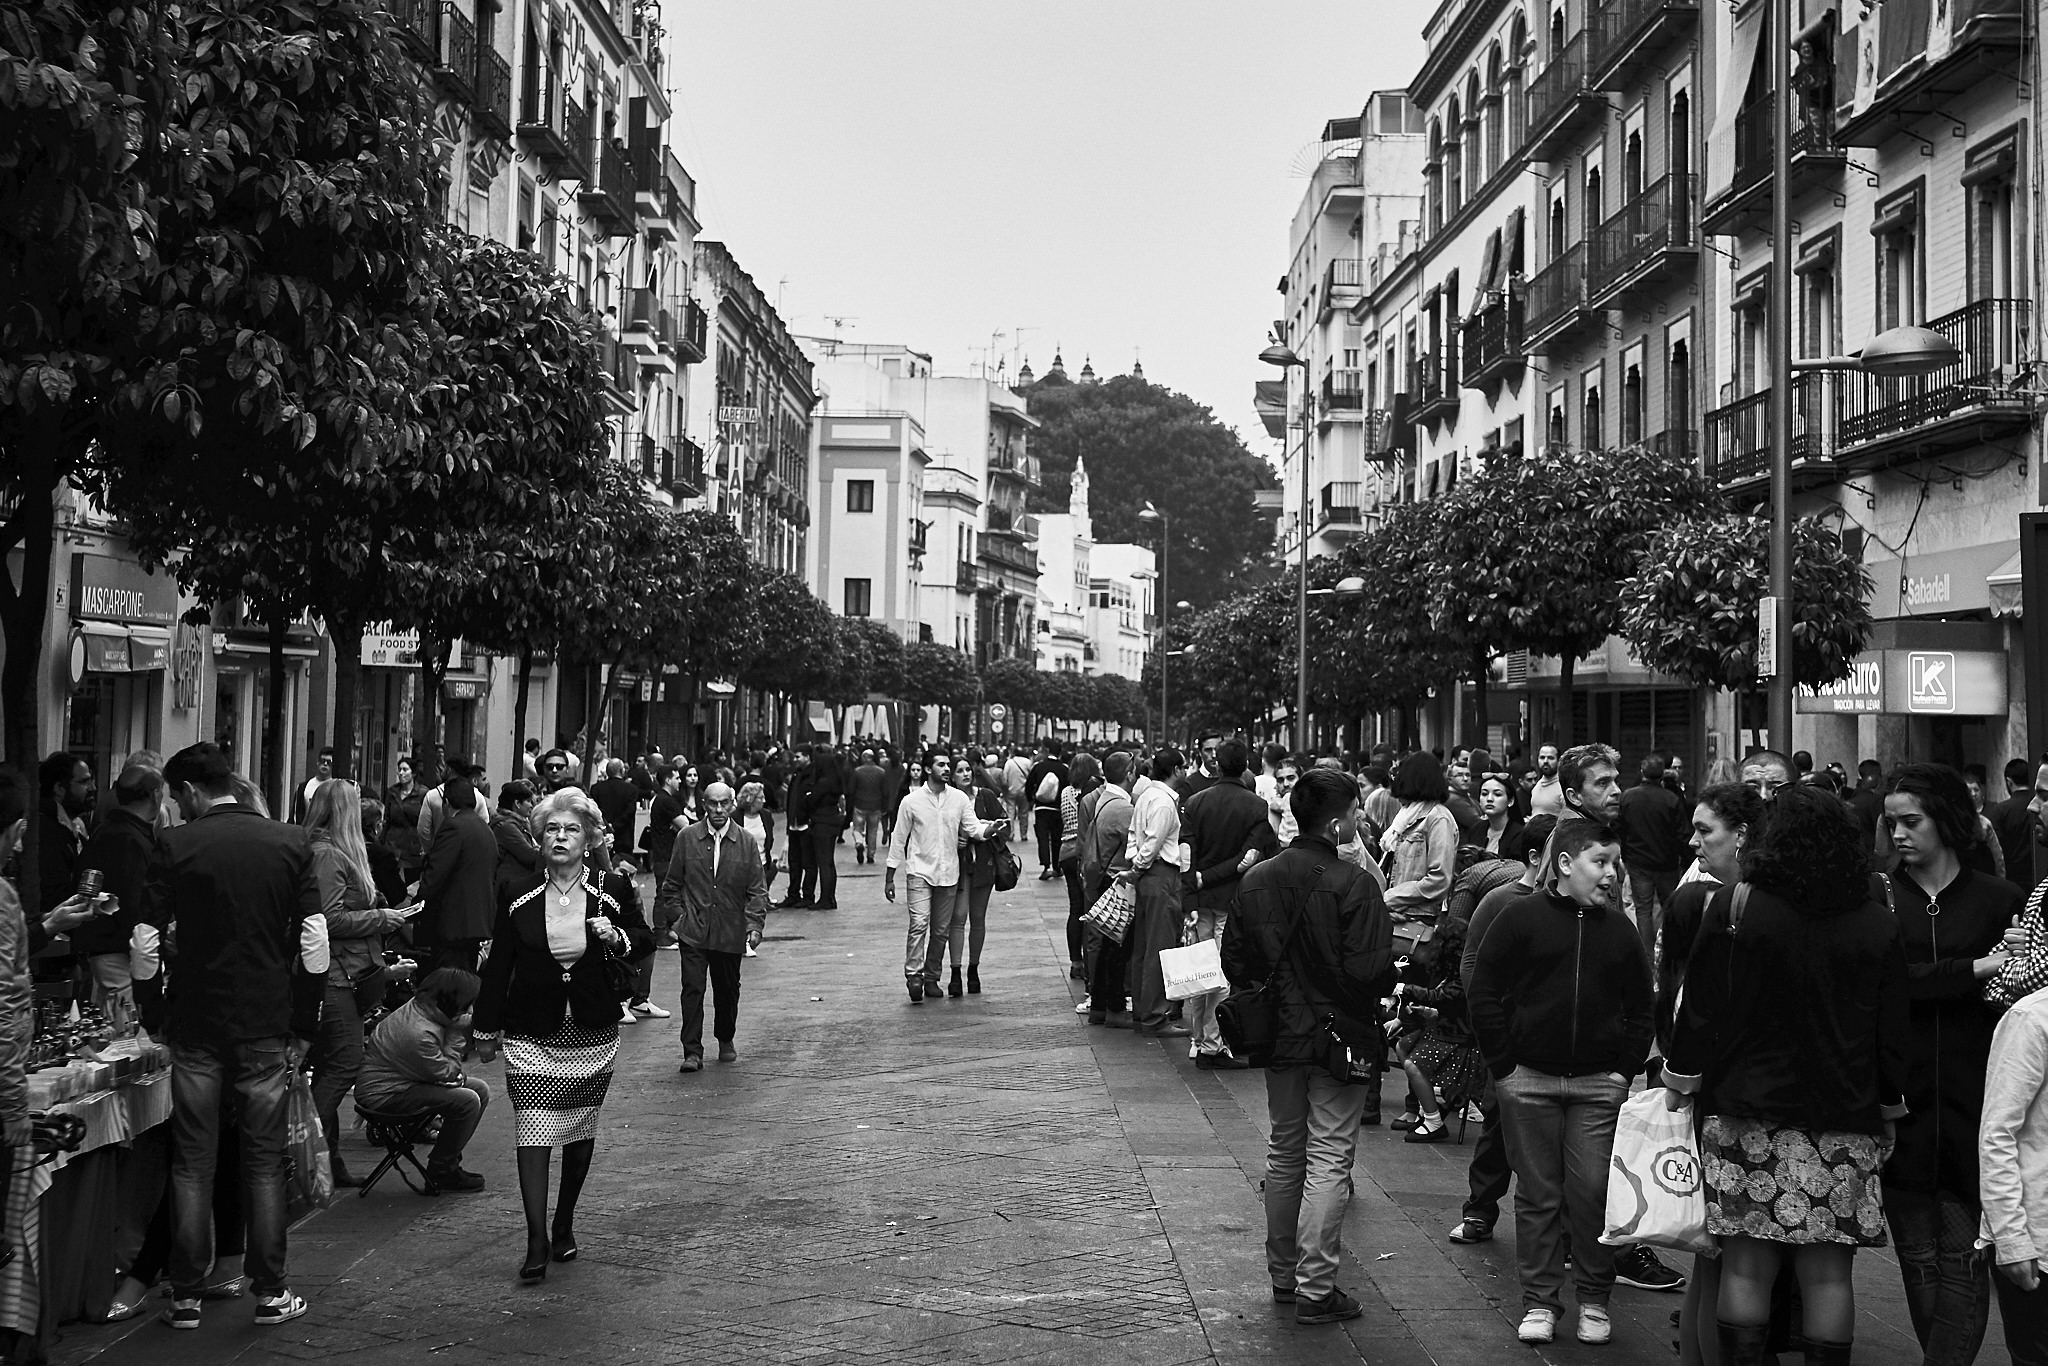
1094, 601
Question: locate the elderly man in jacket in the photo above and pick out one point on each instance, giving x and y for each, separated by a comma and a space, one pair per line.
1315, 930
718, 901
1227, 832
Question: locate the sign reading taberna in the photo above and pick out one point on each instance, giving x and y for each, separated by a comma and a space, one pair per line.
1916, 683
108, 588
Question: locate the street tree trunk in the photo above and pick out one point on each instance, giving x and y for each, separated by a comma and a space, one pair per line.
519, 697
595, 711
24, 613
277, 623
1567, 667
1480, 679
345, 634
426, 717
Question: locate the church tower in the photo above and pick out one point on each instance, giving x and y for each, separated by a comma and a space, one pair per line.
1077, 502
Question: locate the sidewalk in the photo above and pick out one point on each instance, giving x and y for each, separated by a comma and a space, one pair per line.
981, 1180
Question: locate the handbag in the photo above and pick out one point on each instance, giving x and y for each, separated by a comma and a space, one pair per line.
1192, 970
1007, 866
308, 1173
619, 976
1249, 1019
1655, 1192
1111, 914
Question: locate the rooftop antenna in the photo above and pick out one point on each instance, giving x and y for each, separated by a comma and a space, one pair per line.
839, 322
779, 286
1017, 348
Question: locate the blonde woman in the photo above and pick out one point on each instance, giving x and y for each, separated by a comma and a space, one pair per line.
547, 999
355, 951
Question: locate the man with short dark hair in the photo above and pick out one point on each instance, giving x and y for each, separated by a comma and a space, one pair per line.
323, 769
68, 798
2013, 820
931, 824
1656, 835
122, 850
556, 770
240, 1007
1227, 832
1045, 780
1308, 908
1764, 771
1547, 797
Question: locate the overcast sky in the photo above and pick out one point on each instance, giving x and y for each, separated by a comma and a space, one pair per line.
1113, 177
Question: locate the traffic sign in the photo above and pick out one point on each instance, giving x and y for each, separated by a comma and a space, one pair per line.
1767, 638
996, 726
997, 711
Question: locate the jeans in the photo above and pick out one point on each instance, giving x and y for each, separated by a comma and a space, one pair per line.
799, 844
1201, 1010
724, 972
1948, 1291
1308, 1175
1077, 906
1653, 892
337, 1054
819, 867
948, 931
1020, 816
1155, 926
1560, 1133
2026, 1321
1488, 1177
461, 1109
869, 823
261, 1077
1046, 821
928, 905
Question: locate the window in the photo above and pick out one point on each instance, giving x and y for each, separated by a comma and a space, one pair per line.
1988, 181
1896, 230
1678, 392
1632, 405
859, 596
1432, 175
1820, 328
1594, 433
1751, 354
1454, 164
860, 497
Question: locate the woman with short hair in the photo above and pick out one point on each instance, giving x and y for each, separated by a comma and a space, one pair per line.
548, 995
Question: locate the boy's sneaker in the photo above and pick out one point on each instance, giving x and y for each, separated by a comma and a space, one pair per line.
1538, 1325
1334, 1307
1639, 1267
282, 1307
1470, 1230
182, 1314
1594, 1325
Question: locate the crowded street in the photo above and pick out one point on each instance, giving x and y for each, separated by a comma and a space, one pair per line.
978, 1180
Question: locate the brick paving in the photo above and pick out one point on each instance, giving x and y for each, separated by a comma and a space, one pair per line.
974, 1181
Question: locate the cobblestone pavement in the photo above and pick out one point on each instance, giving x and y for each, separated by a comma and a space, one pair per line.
966, 1181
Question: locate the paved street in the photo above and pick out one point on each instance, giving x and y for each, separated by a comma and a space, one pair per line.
983, 1180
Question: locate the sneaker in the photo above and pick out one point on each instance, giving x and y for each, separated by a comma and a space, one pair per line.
182, 1314
454, 1179
1538, 1325
1083, 1006
1220, 1062
1594, 1325
1470, 1230
916, 989
1639, 1267
650, 1010
626, 1015
282, 1307
1334, 1307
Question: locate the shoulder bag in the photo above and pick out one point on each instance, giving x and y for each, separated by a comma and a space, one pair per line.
1249, 1019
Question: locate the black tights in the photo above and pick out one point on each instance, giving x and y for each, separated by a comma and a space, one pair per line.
533, 1189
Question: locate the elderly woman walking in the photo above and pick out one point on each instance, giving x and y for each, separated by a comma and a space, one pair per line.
552, 995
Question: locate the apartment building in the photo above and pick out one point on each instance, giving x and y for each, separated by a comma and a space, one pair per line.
1914, 146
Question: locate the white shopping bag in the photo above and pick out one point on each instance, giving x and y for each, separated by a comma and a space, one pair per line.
1655, 1192
1192, 970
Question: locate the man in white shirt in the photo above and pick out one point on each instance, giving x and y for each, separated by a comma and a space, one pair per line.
929, 827
1155, 870
1547, 797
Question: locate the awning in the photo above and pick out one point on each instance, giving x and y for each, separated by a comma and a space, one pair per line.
2003, 585
149, 647
106, 646
1742, 44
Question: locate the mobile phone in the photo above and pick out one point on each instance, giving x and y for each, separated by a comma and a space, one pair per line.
410, 911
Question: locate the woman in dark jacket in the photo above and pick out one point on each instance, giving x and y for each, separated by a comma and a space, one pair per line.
547, 994
402, 802
1952, 919
1793, 1037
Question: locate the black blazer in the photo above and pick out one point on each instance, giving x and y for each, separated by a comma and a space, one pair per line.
459, 879
525, 991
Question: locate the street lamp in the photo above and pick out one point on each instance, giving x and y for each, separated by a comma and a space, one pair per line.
1152, 516
1282, 356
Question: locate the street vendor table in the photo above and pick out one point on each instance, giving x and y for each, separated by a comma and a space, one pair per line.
63, 1214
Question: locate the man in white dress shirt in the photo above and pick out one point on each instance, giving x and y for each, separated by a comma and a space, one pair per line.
930, 825
1155, 871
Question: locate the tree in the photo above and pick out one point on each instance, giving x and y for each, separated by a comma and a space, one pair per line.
1142, 442
935, 676
1533, 551
1240, 659
797, 646
1016, 683
1382, 649
845, 682
885, 657
1690, 609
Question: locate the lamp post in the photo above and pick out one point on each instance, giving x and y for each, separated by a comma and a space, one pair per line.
1152, 516
1284, 357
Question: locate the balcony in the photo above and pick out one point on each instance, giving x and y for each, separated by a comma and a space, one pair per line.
653, 198
417, 23
1980, 398
544, 123
1491, 344
1343, 284
649, 331
1021, 467
1985, 39
1556, 304
966, 577
683, 469
1629, 35
1738, 454
616, 387
608, 195
1340, 505
1433, 381
455, 63
1746, 204
1343, 391
1650, 243
1007, 551
492, 110
693, 339
1561, 101
1390, 432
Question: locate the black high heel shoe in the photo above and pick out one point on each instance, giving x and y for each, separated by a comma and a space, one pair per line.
536, 1268
565, 1244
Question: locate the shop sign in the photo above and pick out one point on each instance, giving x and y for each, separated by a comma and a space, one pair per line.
108, 588
185, 660
1916, 683
462, 689
145, 656
734, 416
384, 647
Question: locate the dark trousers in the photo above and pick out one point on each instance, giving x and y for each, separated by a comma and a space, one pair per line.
2026, 1322
1489, 1175
258, 1071
799, 842
820, 869
1046, 821
724, 971
1077, 906
458, 953
1107, 989
1156, 926
1948, 1281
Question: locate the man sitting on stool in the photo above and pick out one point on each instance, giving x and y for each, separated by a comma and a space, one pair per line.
412, 1061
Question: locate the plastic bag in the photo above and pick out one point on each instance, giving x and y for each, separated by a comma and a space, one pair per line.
308, 1173
1192, 970
1656, 1194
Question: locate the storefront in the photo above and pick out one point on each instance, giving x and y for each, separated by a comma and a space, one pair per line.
122, 619
238, 700
1925, 691
388, 699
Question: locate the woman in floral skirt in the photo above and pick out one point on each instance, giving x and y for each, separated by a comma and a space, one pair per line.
1792, 1037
